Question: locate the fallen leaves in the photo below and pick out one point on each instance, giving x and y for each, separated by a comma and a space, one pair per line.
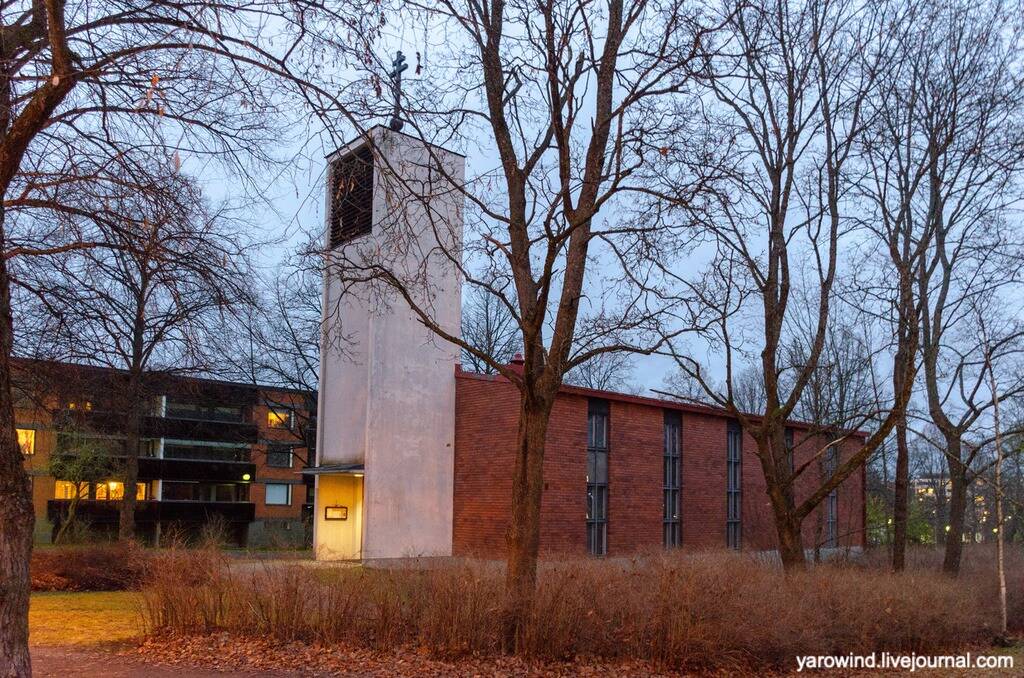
224, 652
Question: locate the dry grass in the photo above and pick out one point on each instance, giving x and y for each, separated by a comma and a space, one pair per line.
713, 611
83, 618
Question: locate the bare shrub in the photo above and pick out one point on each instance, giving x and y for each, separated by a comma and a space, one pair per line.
710, 611
98, 567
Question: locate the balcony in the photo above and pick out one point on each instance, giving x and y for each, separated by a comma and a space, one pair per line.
106, 512
115, 423
151, 468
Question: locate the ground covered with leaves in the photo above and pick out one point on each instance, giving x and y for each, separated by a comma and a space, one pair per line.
227, 653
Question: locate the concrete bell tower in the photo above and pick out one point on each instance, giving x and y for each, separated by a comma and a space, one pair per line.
386, 423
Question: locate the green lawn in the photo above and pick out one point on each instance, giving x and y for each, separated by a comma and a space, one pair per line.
84, 618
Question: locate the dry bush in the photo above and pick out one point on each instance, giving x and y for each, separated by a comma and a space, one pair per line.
97, 567
977, 573
686, 612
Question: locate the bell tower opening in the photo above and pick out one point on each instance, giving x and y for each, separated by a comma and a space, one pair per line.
351, 190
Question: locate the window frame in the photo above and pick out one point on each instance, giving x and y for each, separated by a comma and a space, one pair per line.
672, 472
289, 418
281, 449
288, 494
734, 486
597, 486
831, 538
790, 449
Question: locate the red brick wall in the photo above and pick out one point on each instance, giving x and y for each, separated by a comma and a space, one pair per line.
486, 423
636, 445
487, 413
265, 473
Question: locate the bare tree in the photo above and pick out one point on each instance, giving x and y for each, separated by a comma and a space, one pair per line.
994, 390
943, 144
605, 372
946, 165
565, 95
490, 327
145, 302
91, 79
276, 342
790, 80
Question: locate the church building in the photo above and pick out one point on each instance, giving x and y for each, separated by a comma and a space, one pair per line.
415, 455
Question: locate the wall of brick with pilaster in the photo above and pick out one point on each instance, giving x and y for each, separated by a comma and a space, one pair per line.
487, 415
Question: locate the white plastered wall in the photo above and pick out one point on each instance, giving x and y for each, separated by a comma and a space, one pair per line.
387, 398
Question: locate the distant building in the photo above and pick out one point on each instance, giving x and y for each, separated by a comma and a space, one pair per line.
932, 492
213, 454
416, 457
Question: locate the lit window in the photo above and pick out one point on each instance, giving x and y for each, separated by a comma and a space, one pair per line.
27, 440
114, 491
279, 418
67, 490
278, 494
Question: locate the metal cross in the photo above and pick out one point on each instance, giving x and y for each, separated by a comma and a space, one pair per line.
398, 65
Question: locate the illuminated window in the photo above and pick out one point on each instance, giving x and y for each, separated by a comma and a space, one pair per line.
279, 418
67, 490
114, 491
27, 440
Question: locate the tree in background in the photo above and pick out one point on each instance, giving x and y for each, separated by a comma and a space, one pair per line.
277, 340
489, 325
82, 461
788, 82
605, 372
941, 161
149, 299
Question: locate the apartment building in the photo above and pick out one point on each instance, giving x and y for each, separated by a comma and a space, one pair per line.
213, 455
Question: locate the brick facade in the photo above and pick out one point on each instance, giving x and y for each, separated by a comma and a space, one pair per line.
44, 389
487, 413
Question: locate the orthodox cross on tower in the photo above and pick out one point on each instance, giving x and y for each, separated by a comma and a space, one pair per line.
398, 65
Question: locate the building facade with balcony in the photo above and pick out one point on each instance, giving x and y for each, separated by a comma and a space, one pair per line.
215, 457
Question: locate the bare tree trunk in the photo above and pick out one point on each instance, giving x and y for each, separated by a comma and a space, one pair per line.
788, 524
901, 497
130, 472
791, 545
17, 518
1000, 539
524, 530
957, 506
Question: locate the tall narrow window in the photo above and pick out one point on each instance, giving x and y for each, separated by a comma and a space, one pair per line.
832, 501
733, 488
671, 467
597, 477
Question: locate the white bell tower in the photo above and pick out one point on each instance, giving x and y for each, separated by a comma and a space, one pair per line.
386, 422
